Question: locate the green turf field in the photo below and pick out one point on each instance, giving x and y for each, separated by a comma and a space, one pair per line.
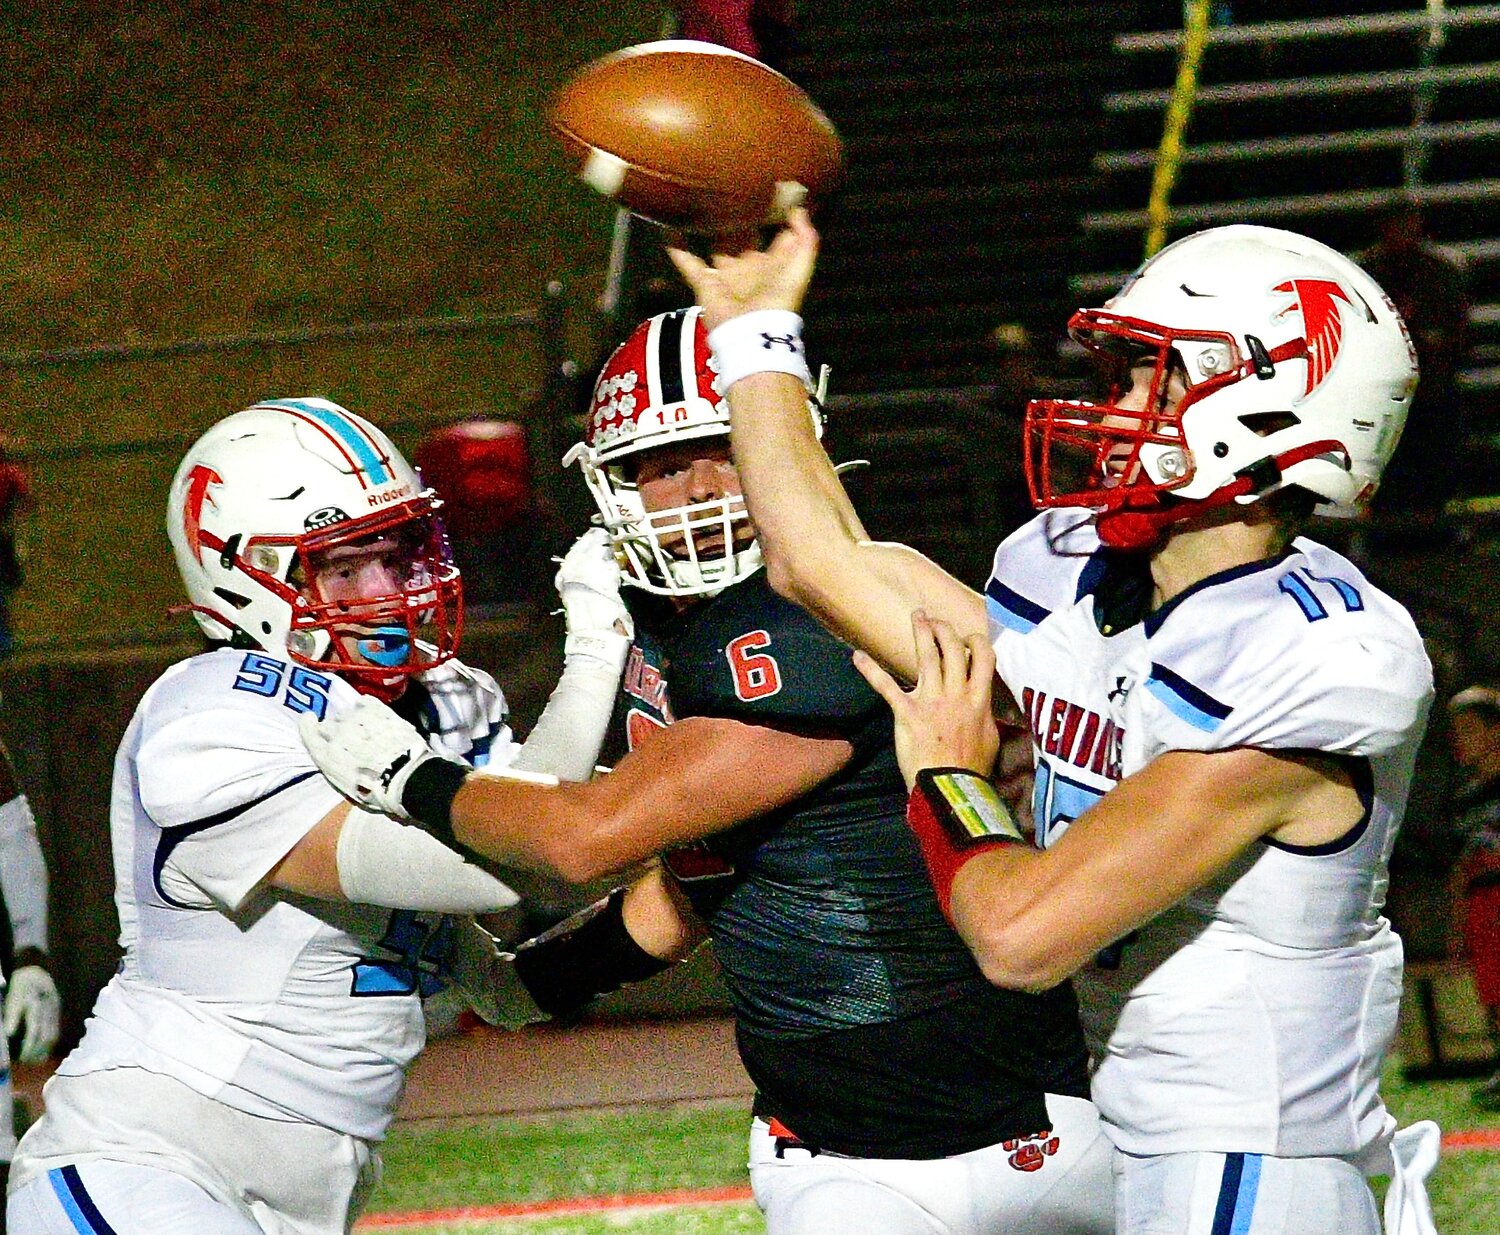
518, 1161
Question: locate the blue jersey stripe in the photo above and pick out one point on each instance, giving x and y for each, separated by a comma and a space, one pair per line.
175, 834
1012, 610
354, 440
77, 1203
1186, 701
1235, 1209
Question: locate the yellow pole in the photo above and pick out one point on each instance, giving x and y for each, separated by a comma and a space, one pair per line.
1179, 111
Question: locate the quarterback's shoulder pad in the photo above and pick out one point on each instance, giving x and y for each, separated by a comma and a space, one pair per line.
1300, 654
1036, 570
762, 658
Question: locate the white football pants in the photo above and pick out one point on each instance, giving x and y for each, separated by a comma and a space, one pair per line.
1059, 1185
136, 1153
1248, 1194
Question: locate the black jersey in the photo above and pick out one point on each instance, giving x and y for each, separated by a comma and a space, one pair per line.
862, 1017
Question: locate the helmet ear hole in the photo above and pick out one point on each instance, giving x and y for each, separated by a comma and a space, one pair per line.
1263, 424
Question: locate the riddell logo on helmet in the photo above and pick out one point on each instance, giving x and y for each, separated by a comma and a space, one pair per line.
385, 499
1317, 301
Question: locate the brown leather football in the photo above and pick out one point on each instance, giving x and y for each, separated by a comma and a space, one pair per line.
696, 136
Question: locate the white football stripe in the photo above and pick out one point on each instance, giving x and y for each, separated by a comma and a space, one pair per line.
604, 172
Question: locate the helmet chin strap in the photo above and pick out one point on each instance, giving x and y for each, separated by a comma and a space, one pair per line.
1138, 522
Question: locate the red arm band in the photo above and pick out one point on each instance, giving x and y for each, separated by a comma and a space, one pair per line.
956, 815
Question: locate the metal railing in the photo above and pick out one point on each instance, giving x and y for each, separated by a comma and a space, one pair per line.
115, 537
1408, 70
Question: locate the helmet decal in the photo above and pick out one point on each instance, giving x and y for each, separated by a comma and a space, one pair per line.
367, 457
1317, 301
614, 405
200, 480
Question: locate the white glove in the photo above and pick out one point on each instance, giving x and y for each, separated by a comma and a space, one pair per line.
588, 581
369, 753
488, 979
1414, 1152
32, 997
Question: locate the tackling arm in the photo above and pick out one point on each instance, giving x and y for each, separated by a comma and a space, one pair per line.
696, 777
371, 859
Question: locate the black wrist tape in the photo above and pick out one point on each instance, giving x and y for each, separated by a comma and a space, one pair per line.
582, 957
428, 796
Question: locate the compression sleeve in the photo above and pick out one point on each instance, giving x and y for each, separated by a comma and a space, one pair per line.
23, 875
568, 735
383, 862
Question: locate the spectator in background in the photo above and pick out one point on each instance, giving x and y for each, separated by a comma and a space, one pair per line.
759, 28
1429, 288
15, 499
1474, 716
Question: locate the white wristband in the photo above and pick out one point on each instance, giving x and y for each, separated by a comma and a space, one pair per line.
765, 341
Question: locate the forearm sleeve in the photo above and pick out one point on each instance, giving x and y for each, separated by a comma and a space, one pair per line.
382, 862
23, 874
570, 731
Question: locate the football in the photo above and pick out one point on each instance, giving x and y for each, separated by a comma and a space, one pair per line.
696, 136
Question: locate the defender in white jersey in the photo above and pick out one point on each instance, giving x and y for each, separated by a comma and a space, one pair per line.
241, 1067
1224, 716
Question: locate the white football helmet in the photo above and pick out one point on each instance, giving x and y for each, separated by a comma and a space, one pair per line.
257, 507
1298, 371
659, 388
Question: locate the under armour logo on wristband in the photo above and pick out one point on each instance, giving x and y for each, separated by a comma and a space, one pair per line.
788, 341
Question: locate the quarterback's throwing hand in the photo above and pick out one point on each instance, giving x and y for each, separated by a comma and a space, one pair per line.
775, 278
945, 720
31, 999
369, 753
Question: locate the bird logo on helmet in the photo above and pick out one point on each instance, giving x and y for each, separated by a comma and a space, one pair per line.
270, 558
659, 388
1295, 370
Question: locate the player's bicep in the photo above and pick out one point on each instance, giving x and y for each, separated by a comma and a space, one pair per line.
703, 775
311, 866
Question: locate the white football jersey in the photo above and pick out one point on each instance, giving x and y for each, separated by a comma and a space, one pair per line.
275, 1004
1252, 1016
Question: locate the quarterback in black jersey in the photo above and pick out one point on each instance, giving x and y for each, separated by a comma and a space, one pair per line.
897, 1089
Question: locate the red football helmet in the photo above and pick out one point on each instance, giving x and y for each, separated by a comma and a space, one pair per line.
659, 388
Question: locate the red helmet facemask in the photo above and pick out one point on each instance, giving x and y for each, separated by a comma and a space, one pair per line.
1136, 458
380, 637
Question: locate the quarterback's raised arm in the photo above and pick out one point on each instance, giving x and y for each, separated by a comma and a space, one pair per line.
816, 550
